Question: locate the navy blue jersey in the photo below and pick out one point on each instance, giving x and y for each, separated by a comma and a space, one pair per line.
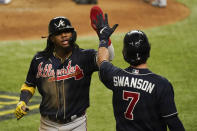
141, 99
64, 87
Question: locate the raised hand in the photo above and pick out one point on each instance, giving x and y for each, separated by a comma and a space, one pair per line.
104, 30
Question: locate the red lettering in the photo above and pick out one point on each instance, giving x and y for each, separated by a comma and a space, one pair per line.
40, 69
62, 74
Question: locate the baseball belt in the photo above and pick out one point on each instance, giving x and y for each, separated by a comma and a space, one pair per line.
63, 121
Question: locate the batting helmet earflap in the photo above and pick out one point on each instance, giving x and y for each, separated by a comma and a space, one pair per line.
136, 49
61, 24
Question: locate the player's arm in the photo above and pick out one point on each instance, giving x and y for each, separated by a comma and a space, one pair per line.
167, 107
174, 123
26, 93
103, 55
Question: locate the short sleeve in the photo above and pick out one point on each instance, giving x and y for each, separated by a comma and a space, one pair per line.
106, 74
166, 101
90, 56
31, 75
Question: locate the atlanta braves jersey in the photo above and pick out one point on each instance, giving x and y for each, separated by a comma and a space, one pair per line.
64, 87
141, 99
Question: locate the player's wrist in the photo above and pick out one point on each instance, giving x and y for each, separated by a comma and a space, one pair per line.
21, 103
104, 43
109, 40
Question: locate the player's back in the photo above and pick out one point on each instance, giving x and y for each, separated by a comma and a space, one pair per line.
138, 98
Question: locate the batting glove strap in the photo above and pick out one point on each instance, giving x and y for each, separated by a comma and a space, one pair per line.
104, 43
19, 112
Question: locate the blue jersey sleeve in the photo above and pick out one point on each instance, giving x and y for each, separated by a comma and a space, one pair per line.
106, 73
31, 75
90, 62
166, 101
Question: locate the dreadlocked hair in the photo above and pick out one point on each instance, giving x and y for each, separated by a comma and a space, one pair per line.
47, 52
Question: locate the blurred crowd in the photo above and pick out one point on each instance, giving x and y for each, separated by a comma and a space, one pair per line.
5, 1
158, 3
85, 1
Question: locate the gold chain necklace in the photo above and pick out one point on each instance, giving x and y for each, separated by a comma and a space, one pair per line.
62, 59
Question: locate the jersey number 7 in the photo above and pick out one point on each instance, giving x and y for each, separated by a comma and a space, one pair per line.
133, 97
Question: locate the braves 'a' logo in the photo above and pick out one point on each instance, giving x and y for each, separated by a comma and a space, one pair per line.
61, 23
136, 44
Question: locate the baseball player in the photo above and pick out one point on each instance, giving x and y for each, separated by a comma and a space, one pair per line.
142, 100
62, 74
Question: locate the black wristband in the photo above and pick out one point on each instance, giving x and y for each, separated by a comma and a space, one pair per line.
103, 43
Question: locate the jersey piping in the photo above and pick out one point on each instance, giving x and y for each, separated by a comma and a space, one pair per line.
170, 114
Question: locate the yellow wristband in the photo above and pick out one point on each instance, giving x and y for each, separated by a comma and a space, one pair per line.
28, 88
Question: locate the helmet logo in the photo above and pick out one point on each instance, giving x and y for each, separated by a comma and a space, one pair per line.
61, 23
136, 44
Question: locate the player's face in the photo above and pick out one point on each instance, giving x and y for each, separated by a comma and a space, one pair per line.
61, 39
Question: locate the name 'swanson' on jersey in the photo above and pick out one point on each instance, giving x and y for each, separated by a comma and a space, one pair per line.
141, 84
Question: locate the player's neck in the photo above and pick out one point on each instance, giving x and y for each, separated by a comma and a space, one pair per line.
141, 66
62, 54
